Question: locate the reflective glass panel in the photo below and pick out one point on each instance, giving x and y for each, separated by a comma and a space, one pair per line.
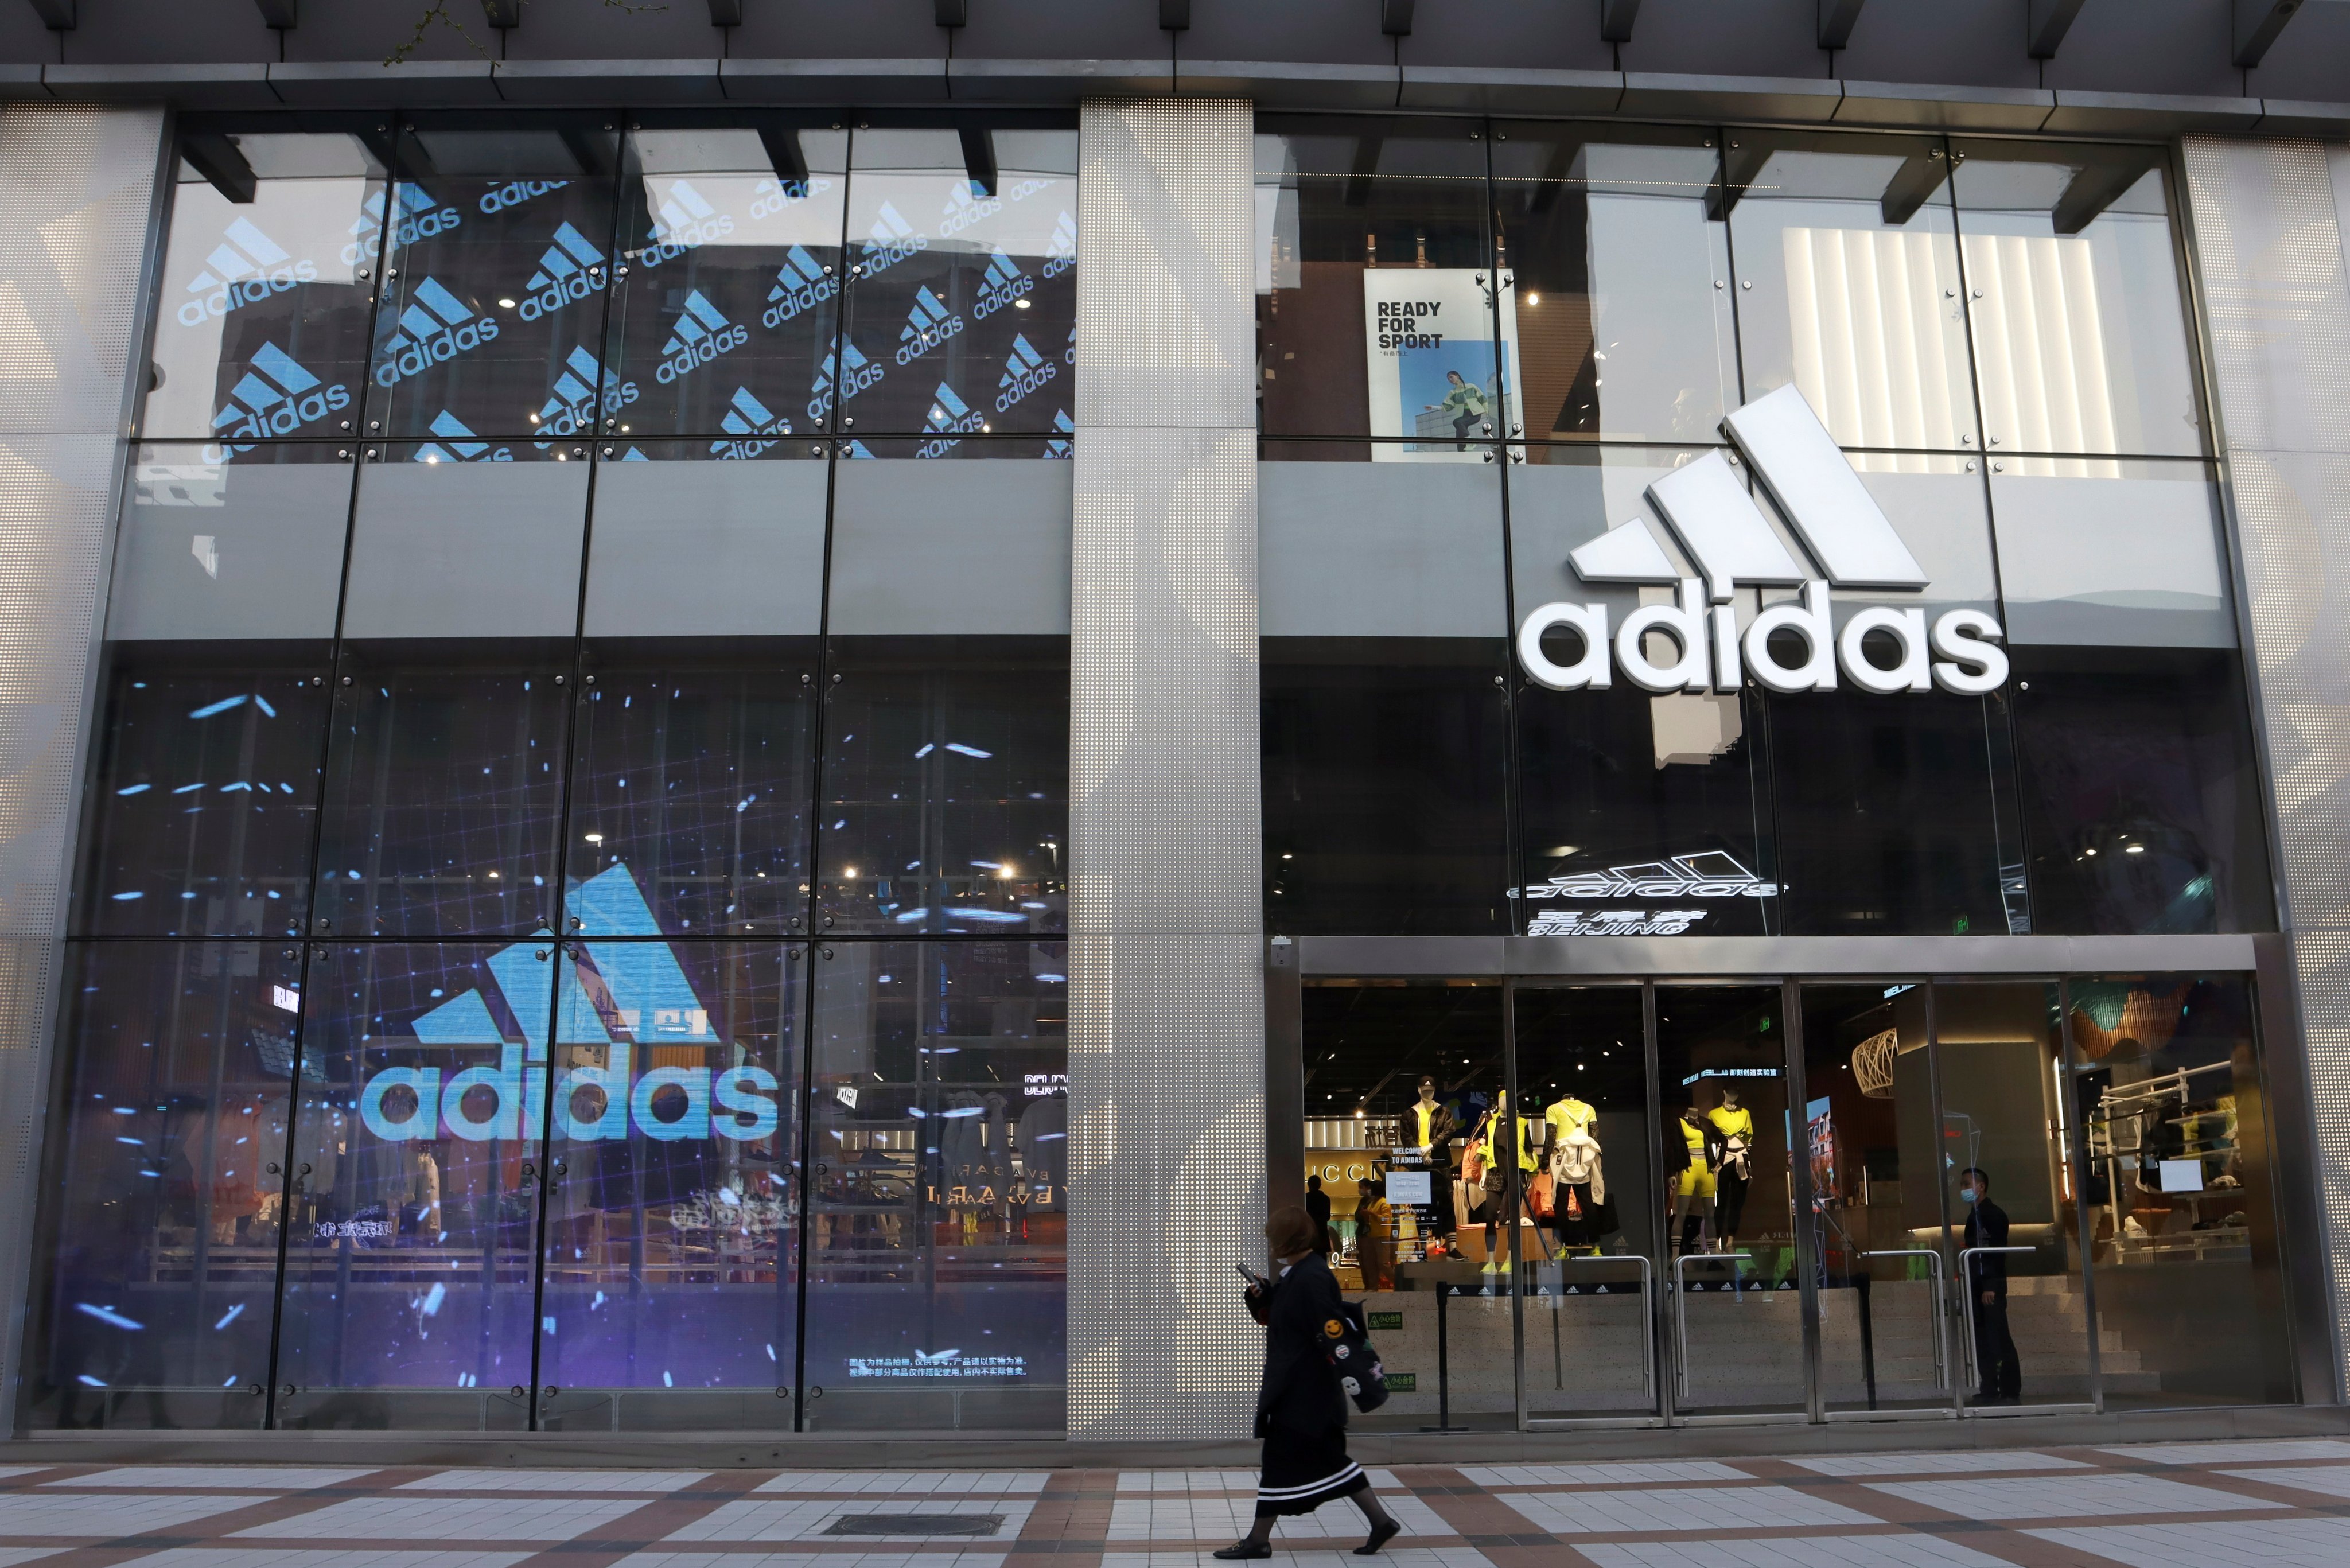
671, 1293
1895, 815
493, 300
444, 787
1613, 260
729, 286
204, 793
2168, 1089
2080, 326
1374, 287
467, 539
1402, 1079
691, 780
1885, 1331
938, 1213
2023, 1324
230, 544
1735, 1318
718, 539
2141, 803
963, 284
1583, 1061
262, 327
1848, 283
414, 1207
2101, 552
166, 1189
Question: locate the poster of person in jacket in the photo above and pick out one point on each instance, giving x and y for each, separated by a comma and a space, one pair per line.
1442, 383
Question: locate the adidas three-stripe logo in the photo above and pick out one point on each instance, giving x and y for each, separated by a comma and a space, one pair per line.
1729, 542
929, 324
701, 334
277, 396
433, 328
246, 266
570, 268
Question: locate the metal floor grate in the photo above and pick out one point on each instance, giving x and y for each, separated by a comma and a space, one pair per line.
915, 1524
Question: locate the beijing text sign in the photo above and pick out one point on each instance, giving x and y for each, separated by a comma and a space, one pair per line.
1725, 535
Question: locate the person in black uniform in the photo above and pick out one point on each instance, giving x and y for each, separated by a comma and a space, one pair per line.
1300, 1410
1317, 1208
2001, 1373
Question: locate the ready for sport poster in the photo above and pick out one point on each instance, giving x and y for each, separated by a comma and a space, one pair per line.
1440, 385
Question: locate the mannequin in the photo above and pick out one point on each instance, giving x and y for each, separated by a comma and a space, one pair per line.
1573, 1212
1736, 1125
1428, 1125
1504, 1135
1702, 1144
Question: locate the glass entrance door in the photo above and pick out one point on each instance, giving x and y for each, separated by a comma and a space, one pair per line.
1591, 1268
1734, 1307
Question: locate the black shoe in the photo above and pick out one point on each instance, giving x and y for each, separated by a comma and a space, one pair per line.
1241, 1550
1380, 1535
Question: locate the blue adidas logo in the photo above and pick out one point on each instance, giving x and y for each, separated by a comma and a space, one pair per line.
701, 333
416, 217
1024, 372
857, 373
570, 269
778, 195
433, 328
1063, 444
891, 241
1061, 250
801, 283
458, 444
1004, 283
275, 397
949, 416
514, 193
745, 420
570, 408
245, 266
965, 207
927, 326
686, 221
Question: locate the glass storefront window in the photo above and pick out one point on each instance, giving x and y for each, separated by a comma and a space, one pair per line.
465, 539
1848, 283
938, 1213
444, 791
493, 286
671, 1289
962, 284
168, 1191
413, 1211
230, 544
2141, 799
1875, 1213
2114, 552
1616, 260
2173, 1114
2074, 290
1374, 286
1407, 1113
727, 294
261, 330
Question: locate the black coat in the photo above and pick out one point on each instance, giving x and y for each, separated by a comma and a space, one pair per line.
1987, 1227
1300, 1396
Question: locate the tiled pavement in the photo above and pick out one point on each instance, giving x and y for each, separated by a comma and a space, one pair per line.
2277, 1504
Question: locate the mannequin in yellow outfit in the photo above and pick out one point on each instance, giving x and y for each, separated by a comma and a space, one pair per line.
1703, 1143
1575, 1183
1502, 1130
1736, 1125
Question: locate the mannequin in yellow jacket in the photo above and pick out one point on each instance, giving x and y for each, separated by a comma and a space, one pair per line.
1735, 1123
1501, 1124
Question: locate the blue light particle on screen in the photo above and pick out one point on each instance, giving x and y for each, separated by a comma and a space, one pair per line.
127, 898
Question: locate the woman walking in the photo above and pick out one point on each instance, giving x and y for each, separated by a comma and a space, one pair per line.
1300, 1410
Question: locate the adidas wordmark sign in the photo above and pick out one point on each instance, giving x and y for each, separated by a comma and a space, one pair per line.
1729, 542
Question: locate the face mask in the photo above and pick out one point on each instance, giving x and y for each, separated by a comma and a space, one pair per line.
1967, 1193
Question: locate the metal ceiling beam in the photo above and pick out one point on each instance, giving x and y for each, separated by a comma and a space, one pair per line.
1395, 19
216, 158
2046, 22
2094, 189
1616, 19
725, 13
1742, 163
1175, 15
1837, 18
785, 155
277, 12
979, 158
2258, 23
502, 12
952, 13
1913, 184
59, 15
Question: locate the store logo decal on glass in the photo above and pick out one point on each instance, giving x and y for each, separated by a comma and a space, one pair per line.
1729, 542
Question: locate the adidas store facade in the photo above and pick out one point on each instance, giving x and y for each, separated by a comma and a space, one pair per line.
748, 767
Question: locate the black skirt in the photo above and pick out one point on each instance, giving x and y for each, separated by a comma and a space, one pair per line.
1301, 1472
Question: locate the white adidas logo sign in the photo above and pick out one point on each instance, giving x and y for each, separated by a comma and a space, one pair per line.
1729, 542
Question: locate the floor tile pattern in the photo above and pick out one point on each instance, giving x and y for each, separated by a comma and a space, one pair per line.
2283, 1503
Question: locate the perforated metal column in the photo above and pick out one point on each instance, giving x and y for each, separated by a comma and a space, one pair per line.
76, 208
1167, 1014
2270, 227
